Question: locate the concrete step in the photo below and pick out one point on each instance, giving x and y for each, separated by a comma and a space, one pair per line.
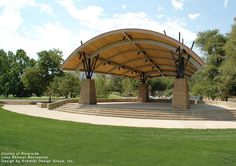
225, 115
185, 113
161, 117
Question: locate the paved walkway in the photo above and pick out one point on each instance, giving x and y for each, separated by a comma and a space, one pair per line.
33, 110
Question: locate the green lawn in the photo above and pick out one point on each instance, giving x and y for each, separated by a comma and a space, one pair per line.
93, 145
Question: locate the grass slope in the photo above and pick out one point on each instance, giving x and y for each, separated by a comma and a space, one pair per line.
92, 145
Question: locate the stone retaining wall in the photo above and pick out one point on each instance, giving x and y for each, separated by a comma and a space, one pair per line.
62, 102
42, 105
56, 104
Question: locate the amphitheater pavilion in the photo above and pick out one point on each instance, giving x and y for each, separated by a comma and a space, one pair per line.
138, 54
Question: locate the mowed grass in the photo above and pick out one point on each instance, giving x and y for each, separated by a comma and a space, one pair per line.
95, 145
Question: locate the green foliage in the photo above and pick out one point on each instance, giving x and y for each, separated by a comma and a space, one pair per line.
129, 87
32, 81
20, 63
115, 84
12, 68
203, 85
106, 85
228, 69
218, 78
49, 64
22, 76
102, 85
38, 78
213, 80
211, 43
66, 85
4, 70
161, 86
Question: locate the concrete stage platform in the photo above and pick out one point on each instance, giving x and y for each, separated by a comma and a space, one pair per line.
152, 110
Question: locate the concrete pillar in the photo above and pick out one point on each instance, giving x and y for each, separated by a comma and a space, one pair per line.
143, 93
87, 92
181, 94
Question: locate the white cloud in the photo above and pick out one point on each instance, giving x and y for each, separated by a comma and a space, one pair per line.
11, 20
172, 27
160, 15
20, 4
14, 34
44, 8
88, 13
160, 9
124, 6
47, 36
50, 35
125, 20
193, 16
177, 4
13, 4
225, 3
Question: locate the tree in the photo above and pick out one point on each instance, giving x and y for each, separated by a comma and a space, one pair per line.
161, 86
49, 65
4, 71
101, 85
12, 67
227, 77
202, 85
33, 81
66, 85
37, 78
19, 63
206, 81
129, 86
114, 84
211, 43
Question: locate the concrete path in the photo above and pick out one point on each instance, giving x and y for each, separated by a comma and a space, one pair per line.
33, 110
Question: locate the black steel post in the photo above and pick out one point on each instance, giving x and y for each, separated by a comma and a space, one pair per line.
89, 65
143, 78
180, 64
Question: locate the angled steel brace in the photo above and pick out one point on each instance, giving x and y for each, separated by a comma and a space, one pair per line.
89, 65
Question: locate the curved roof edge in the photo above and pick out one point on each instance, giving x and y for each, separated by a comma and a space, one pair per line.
197, 60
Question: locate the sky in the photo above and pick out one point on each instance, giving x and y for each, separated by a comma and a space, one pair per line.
36, 25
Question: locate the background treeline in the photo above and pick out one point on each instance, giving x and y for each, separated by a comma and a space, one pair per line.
22, 76
125, 87
217, 79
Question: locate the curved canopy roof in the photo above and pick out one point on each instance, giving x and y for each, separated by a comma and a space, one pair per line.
132, 52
